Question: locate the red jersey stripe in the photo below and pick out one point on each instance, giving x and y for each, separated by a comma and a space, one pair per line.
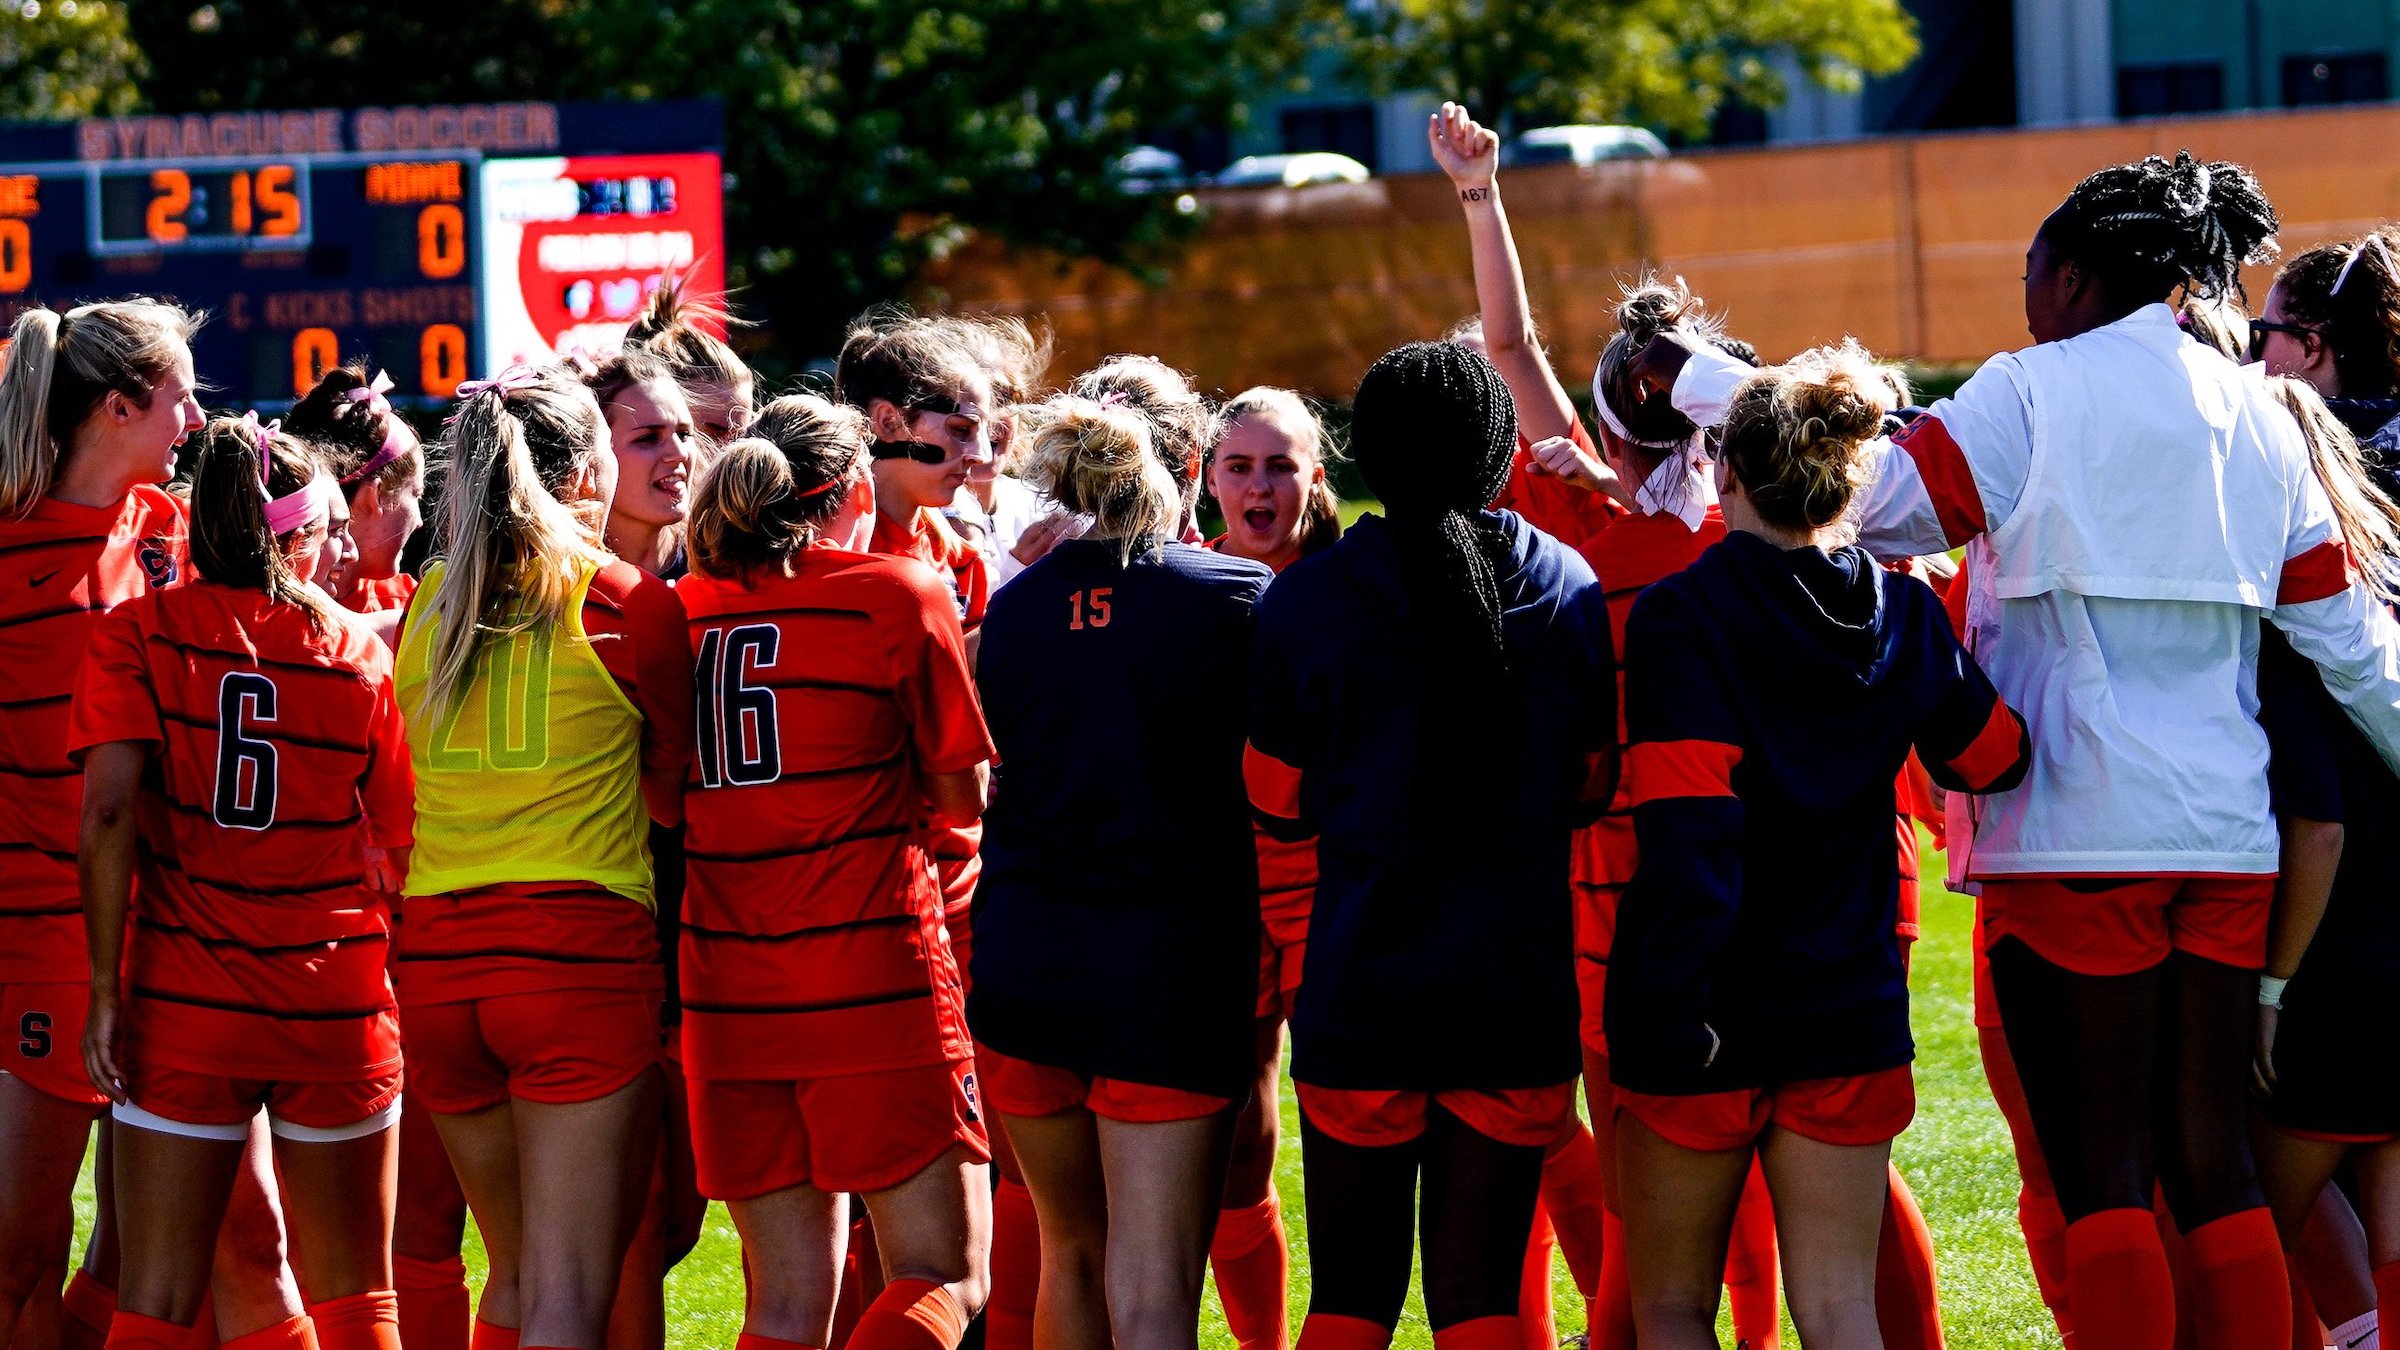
1993, 752
1274, 785
2317, 574
1660, 770
1948, 479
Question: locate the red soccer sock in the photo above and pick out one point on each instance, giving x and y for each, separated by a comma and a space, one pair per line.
1253, 1271
2237, 1262
1481, 1333
489, 1337
1752, 1283
2118, 1288
87, 1306
369, 1321
2045, 1228
849, 1300
292, 1333
1537, 1316
1016, 1269
1612, 1306
2305, 1327
132, 1331
1576, 1202
911, 1315
1331, 1331
1907, 1301
434, 1309
750, 1340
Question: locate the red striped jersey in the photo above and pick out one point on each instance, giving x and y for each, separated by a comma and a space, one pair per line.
61, 568
392, 592
968, 577
278, 756
1570, 514
813, 931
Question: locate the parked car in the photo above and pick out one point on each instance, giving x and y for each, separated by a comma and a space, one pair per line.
1315, 166
1148, 168
1582, 145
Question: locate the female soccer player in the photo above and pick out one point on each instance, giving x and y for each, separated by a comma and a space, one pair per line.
1179, 418
1773, 690
548, 696
996, 507
675, 328
651, 434
2127, 882
375, 455
93, 403
1266, 474
1433, 696
1116, 956
2333, 319
266, 720
836, 705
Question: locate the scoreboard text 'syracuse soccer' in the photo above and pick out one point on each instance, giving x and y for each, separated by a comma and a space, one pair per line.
440, 242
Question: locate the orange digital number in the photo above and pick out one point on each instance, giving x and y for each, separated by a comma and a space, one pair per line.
314, 351
441, 241
1091, 612
170, 195
277, 202
442, 359
241, 203
16, 255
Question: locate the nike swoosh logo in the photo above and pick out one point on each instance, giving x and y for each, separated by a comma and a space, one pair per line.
2353, 1345
44, 578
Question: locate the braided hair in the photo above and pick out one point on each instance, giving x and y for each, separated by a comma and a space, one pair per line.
2148, 228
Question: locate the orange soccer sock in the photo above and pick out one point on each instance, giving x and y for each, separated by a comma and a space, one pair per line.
1016, 1269
911, 1315
87, 1306
369, 1321
487, 1336
1577, 1204
849, 1298
1481, 1333
203, 1335
1612, 1305
2306, 1329
2237, 1262
1537, 1316
292, 1333
132, 1331
1752, 1282
1332, 1331
2117, 1283
1907, 1303
2045, 1228
434, 1309
1253, 1271
750, 1340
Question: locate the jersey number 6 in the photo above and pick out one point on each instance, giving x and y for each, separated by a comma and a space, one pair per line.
245, 797
736, 718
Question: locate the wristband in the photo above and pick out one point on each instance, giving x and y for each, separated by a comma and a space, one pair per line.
2270, 992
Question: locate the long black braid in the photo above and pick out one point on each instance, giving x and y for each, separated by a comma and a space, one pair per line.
2147, 228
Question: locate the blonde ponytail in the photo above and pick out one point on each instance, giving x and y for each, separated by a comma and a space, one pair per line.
2369, 520
1797, 434
765, 496
1097, 460
58, 369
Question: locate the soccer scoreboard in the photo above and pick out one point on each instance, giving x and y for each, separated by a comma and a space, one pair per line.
441, 242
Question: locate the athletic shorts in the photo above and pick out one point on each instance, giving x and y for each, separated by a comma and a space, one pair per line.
214, 1106
43, 1027
859, 1132
1016, 1087
1531, 1117
1595, 933
1979, 952
1850, 1112
1282, 942
2120, 925
2330, 1084
556, 1047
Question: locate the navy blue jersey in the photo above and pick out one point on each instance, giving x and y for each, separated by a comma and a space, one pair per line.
1770, 700
1438, 958
1116, 930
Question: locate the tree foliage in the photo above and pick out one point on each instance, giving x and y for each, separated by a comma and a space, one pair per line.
1664, 63
68, 58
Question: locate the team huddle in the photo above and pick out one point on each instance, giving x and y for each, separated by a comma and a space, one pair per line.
890, 815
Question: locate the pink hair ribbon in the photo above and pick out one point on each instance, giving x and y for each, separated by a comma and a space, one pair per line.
311, 504
394, 446
506, 382
2374, 240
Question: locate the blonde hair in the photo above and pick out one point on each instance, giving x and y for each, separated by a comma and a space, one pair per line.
1289, 413
1099, 461
767, 494
58, 369
1179, 418
2369, 520
232, 479
673, 328
2219, 324
1797, 434
512, 552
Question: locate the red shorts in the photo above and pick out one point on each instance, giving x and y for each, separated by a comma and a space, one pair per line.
1532, 1117
1282, 942
43, 1029
556, 1047
1016, 1087
1979, 951
213, 1106
860, 1132
2120, 925
1851, 1112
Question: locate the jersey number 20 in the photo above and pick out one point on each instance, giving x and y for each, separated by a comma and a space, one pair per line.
737, 718
245, 797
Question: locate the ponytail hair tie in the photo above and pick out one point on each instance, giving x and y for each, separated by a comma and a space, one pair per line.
372, 394
506, 382
1114, 398
2374, 240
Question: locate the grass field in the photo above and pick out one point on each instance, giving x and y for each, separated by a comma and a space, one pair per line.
1956, 1158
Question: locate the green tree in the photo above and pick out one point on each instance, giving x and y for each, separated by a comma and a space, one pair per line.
1664, 63
68, 58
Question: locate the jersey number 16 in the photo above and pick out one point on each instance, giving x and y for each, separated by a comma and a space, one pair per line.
736, 719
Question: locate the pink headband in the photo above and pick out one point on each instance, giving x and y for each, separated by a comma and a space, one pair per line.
372, 394
311, 504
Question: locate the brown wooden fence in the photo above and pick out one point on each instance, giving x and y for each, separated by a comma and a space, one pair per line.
1915, 245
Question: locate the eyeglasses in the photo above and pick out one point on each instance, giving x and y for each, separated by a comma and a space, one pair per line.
2259, 328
